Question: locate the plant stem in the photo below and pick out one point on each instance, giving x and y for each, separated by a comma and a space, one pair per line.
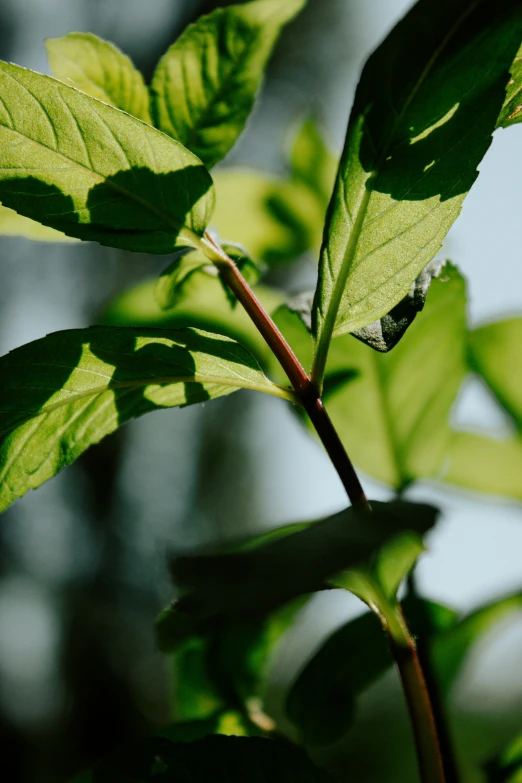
449, 760
297, 375
404, 651
402, 644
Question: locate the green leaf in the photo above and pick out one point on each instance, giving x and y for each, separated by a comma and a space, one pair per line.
392, 409
507, 767
205, 85
94, 172
483, 464
224, 666
495, 353
311, 161
512, 110
100, 69
204, 304
263, 577
276, 220
172, 284
217, 758
476, 461
424, 112
452, 647
60, 394
13, 224
323, 698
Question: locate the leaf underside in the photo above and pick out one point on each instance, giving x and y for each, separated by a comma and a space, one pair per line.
94, 172
411, 155
60, 394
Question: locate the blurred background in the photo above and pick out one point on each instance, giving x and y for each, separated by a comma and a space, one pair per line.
82, 560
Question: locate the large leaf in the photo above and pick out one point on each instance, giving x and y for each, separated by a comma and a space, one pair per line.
205, 85
391, 409
100, 69
85, 168
218, 758
424, 112
60, 394
290, 562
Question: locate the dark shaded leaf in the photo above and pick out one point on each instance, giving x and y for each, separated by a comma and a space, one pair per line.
218, 758
256, 580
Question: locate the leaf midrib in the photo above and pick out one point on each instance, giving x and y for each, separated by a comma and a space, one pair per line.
330, 319
268, 388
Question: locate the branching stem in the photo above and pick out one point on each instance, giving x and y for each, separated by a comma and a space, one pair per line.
402, 643
297, 375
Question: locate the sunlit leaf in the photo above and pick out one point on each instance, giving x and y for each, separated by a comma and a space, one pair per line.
276, 220
234, 759
60, 394
391, 409
205, 85
100, 69
85, 168
485, 464
204, 304
424, 111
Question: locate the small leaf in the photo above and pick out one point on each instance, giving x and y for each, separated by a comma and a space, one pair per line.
100, 69
94, 172
424, 112
512, 110
322, 700
219, 758
171, 286
61, 394
296, 563
13, 224
205, 85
